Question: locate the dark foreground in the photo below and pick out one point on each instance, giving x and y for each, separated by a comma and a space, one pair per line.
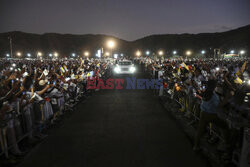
117, 128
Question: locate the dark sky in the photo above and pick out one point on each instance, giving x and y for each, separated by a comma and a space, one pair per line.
127, 19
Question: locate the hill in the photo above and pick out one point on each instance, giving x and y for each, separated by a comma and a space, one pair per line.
65, 44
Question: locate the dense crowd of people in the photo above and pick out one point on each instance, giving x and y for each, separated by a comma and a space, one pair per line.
213, 94
36, 93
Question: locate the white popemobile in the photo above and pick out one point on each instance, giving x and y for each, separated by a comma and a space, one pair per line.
124, 67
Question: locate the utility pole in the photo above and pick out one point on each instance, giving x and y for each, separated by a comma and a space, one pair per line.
11, 55
216, 53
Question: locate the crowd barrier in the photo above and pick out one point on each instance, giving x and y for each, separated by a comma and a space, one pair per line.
32, 120
176, 97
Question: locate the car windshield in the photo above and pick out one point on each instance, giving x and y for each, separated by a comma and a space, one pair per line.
125, 63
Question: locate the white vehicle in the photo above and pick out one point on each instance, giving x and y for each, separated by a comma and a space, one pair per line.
124, 67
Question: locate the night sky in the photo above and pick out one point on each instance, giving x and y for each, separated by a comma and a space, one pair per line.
126, 19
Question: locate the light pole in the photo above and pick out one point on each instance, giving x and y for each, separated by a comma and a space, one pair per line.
138, 53
39, 54
242, 52
160, 53
11, 54
86, 53
111, 45
107, 54
188, 53
19, 54
56, 54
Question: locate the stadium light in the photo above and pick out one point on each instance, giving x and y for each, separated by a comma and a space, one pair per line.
39, 54
28, 54
174, 52
73, 54
56, 54
203, 52
19, 54
147, 53
138, 53
232, 51
50, 55
7, 55
242, 52
107, 53
111, 44
188, 52
160, 52
86, 53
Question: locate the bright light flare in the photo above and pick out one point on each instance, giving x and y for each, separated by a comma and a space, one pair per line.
242, 52
160, 52
107, 53
86, 53
56, 54
174, 52
132, 69
19, 54
138, 53
147, 52
39, 53
203, 52
232, 51
111, 44
117, 69
188, 53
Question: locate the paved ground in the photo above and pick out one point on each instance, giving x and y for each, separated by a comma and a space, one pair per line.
117, 128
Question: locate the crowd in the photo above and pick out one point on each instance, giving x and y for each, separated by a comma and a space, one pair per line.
213, 95
35, 94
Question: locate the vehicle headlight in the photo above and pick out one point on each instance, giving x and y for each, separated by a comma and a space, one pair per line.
117, 69
132, 69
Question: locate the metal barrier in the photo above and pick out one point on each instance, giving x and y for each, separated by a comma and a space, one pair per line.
38, 114
236, 120
182, 98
